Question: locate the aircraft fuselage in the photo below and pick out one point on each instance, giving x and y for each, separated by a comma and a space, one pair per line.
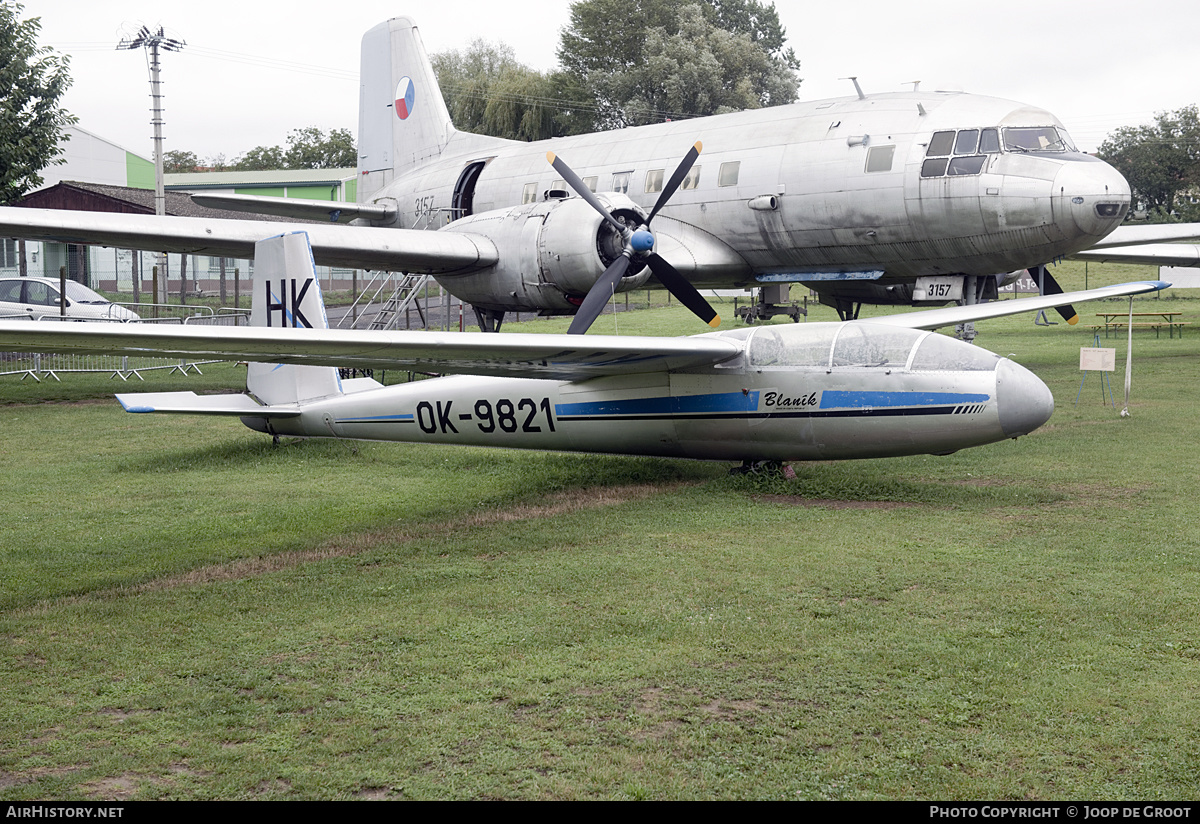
853, 192
818, 391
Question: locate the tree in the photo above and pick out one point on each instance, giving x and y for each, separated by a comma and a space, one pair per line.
520, 105
260, 158
487, 91
1160, 161
179, 161
466, 76
32, 80
310, 148
307, 148
649, 60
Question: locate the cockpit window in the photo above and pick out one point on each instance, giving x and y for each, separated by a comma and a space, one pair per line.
965, 152
967, 142
792, 346
959, 153
940, 144
1037, 139
941, 353
966, 165
867, 345
860, 345
934, 167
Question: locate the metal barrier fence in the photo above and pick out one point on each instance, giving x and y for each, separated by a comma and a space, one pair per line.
176, 313
40, 365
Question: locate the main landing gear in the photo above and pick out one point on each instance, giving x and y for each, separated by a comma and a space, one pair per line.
765, 469
489, 319
772, 300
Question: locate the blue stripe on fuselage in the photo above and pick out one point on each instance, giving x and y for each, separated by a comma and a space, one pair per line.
855, 399
683, 405
379, 419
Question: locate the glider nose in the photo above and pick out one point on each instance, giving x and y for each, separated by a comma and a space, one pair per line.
1094, 195
1023, 401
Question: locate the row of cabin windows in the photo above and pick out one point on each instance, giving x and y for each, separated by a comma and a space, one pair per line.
727, 175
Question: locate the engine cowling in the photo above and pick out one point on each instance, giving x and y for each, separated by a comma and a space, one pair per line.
550, 254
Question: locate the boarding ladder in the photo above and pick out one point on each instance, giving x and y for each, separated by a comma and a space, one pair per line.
401, 290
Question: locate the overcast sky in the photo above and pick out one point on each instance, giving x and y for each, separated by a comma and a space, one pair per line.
252, 71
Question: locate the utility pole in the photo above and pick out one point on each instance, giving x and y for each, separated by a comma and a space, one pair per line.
153, 42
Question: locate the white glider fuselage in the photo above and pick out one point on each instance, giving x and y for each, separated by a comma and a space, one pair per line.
738, 410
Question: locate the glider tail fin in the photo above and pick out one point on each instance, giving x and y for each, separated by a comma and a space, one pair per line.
288, 293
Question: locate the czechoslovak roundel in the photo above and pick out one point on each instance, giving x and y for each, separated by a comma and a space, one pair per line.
406, 96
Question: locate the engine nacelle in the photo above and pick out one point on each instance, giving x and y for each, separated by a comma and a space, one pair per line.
550, 254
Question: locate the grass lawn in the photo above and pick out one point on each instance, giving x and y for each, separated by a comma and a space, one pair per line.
189, 612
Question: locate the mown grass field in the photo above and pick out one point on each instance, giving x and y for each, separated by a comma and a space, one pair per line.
189, 612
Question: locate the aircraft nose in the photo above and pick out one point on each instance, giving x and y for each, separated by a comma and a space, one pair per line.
1094, 194
1023, 401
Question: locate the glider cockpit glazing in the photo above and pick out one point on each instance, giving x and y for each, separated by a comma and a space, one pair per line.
838, 346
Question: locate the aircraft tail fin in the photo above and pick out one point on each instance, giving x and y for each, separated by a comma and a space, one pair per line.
402, 118
288, 293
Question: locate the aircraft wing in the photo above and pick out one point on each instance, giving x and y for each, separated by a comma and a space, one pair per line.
1138, 234
1152, 244
296, 208
556, 357
951, 315
355, 247
1156, 254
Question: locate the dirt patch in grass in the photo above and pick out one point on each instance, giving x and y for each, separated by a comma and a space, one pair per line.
117, 788
1123, 496
53, 402
551, 506
979, 482
798, 500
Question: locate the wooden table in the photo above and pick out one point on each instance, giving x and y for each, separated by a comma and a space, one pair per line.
1117, 321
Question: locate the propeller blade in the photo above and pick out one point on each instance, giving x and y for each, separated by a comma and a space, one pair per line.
637, 243
681, 172
575, 182
682, 288
599, 294
1049, 286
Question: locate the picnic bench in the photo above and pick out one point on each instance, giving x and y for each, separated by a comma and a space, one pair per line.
1118, 321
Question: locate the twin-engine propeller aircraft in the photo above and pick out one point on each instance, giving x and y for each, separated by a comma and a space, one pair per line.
769, 393
907, 198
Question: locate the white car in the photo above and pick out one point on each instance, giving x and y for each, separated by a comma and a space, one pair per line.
36, 298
